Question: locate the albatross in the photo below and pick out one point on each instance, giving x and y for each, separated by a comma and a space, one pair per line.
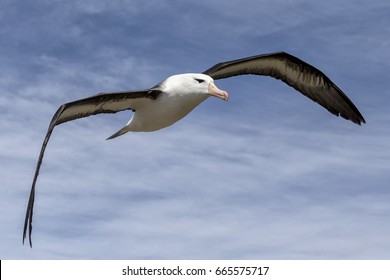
171, 100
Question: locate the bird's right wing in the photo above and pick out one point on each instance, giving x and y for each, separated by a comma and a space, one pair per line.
298, 74
98, 104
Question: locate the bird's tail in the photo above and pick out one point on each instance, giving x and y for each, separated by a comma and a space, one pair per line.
119, 133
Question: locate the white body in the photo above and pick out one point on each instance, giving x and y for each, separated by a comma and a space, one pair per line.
172, 105
180, 95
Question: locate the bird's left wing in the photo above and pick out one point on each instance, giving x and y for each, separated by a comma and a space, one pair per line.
98, 104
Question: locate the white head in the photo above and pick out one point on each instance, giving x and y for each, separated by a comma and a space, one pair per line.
194, 84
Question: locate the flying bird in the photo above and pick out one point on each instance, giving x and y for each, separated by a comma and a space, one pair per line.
171, 100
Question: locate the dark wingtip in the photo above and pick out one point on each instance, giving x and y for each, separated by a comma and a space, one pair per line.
356, 120
29, 236
29, 223
29, 241
359, 120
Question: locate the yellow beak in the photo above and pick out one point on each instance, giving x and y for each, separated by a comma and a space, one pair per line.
214, 91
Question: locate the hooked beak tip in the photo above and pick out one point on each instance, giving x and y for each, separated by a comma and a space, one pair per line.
226, 96
214, 91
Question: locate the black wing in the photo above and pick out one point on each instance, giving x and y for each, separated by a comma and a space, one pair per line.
296, 73
98, 104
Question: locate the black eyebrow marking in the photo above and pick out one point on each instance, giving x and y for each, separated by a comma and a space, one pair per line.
199, 80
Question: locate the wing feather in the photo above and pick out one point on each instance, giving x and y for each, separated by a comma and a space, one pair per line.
98, 104
296, 73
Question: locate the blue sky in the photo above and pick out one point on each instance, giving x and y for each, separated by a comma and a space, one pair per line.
267, 175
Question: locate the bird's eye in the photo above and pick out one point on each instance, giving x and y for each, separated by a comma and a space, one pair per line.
199, 80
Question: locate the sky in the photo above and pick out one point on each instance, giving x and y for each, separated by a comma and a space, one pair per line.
267, 175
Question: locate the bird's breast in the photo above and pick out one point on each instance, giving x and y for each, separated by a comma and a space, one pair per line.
164, 111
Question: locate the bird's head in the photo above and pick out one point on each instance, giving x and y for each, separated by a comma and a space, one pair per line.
190, 83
